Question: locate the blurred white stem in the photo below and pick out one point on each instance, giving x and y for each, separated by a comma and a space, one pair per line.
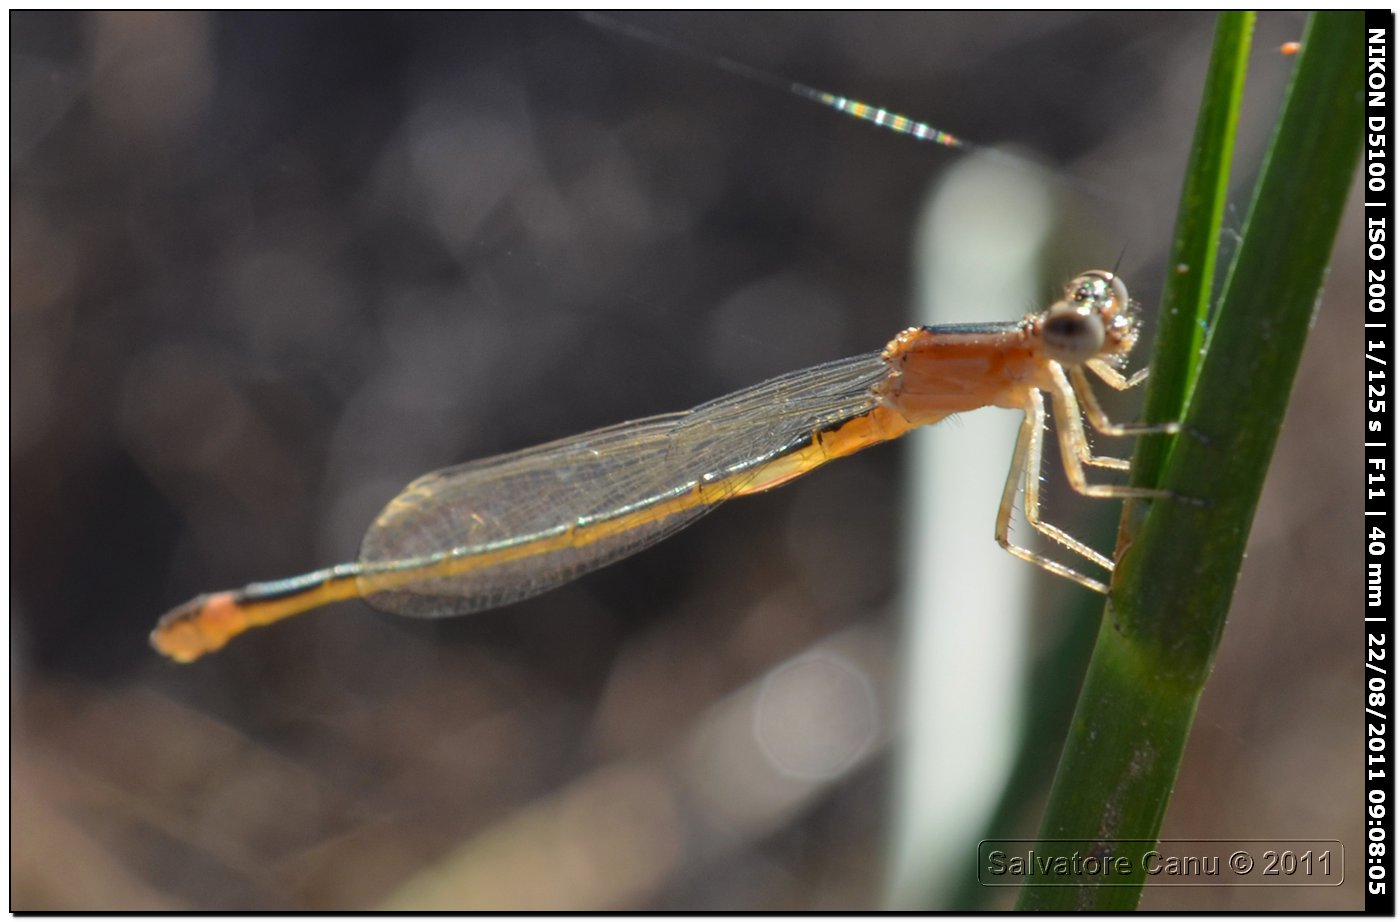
965, 621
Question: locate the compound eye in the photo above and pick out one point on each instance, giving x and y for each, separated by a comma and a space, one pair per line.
1099, 290
1089, 290
1073, 335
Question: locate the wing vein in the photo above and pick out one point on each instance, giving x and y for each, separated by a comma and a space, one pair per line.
521, 523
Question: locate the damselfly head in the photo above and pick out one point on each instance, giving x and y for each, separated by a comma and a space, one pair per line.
1094, 319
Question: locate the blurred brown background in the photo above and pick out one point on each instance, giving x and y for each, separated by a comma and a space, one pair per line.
267, 268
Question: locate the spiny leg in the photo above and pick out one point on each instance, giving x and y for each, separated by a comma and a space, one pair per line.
1074, 447
1110, 375
1025, 465
1099, 419
1113, 377
1091, 407
1092, 410
1032, 490
1026, 462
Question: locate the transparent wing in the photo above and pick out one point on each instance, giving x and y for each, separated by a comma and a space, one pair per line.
540, 517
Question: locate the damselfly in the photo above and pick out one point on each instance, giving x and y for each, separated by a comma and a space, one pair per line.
503, 529
495, 531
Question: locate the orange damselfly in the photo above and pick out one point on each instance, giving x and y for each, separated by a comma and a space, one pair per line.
495, 531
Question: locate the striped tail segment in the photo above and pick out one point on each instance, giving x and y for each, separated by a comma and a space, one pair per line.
884, 118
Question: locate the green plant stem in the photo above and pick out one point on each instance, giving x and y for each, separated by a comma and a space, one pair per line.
1186, 297
1180, 560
